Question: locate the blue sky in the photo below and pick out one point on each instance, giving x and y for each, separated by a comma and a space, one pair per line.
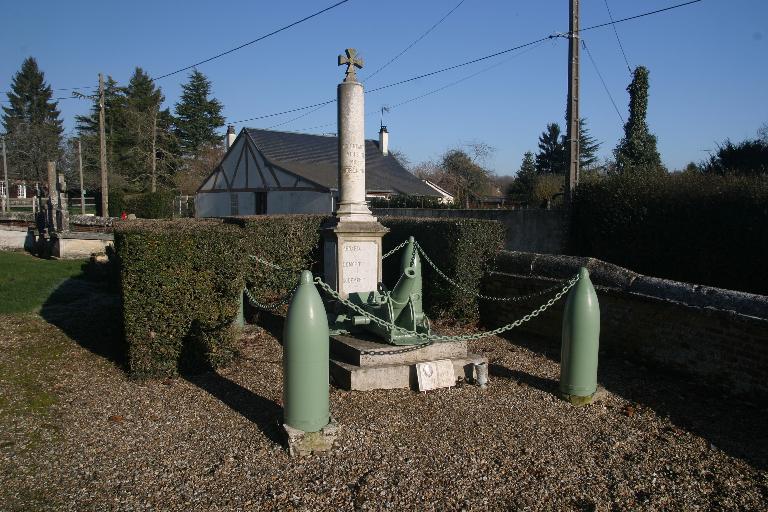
708, 65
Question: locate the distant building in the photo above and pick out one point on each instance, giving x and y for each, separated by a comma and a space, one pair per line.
271, 172
445, 196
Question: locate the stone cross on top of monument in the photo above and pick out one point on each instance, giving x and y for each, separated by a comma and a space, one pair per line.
352, 61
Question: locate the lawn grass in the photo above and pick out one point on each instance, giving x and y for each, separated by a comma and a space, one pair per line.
27, 281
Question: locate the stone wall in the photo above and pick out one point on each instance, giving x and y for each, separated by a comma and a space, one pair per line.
88, 234
710, 333
528, 230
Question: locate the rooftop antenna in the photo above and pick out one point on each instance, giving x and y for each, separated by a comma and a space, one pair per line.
384, 110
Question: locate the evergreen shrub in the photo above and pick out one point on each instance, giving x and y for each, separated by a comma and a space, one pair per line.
181, 280
689, 227
461, 248
151, 205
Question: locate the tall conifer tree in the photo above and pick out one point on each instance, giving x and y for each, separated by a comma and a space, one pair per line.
31, 123
552, 154
198, 116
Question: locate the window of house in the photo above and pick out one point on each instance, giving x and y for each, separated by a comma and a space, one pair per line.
234, 204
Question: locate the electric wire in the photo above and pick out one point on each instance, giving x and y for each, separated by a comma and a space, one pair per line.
261, 38
232, 50
594, 64
473, 61
414, 43
649, 13
429, 93
621, 46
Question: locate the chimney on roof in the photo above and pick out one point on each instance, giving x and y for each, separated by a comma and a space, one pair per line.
230, 139
384, 140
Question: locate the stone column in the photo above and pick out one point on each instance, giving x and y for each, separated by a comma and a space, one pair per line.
53, 198
352, 240
351, 121
62, 214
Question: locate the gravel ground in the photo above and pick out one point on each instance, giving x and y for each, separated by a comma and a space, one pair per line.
211, 442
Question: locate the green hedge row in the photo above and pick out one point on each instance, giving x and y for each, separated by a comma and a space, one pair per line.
181, 280
148, 205
699, 229
461, 248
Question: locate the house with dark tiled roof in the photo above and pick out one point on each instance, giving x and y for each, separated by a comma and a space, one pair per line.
271, 172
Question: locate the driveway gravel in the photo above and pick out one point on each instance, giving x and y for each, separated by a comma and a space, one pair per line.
653, 441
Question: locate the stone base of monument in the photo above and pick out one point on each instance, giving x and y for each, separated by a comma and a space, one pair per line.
74, 244
355, 368
302, 443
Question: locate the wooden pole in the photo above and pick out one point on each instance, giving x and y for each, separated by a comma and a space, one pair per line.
80, 167
573, 101
153, 156
7, 201
103, 152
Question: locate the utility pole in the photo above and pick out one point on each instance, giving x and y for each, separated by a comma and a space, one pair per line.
7, 200
573, 100
80, 166
153, 162
103, 152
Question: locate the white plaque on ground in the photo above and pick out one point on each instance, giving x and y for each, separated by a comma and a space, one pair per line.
359, 266
435, 374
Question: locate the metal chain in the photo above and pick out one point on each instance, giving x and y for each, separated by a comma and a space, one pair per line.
272, 306
393, 251
430, 338
517, 298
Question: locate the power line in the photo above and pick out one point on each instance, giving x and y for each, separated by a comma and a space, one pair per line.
232, 50
589, 54
298, 109
227, 52
479, 59
428, 93
657, 11
621, 47
422, 36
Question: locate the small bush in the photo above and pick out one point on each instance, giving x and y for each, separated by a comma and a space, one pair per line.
116, 199
700, 229
151, 205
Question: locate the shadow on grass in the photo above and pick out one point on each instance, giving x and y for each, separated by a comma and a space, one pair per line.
733, 424
89, 313
264, 413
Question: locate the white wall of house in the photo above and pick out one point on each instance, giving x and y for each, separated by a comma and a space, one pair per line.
299, 201
220, 204
243, 176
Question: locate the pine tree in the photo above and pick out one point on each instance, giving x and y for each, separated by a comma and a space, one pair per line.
637, 151
552, 155
32, 124
588, 147
525, 181
146, 147
198, 116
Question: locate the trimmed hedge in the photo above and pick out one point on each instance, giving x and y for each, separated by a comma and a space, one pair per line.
461, 248
181, 280
709, 230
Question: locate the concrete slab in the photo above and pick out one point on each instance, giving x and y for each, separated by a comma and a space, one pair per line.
353, 350
393, 376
